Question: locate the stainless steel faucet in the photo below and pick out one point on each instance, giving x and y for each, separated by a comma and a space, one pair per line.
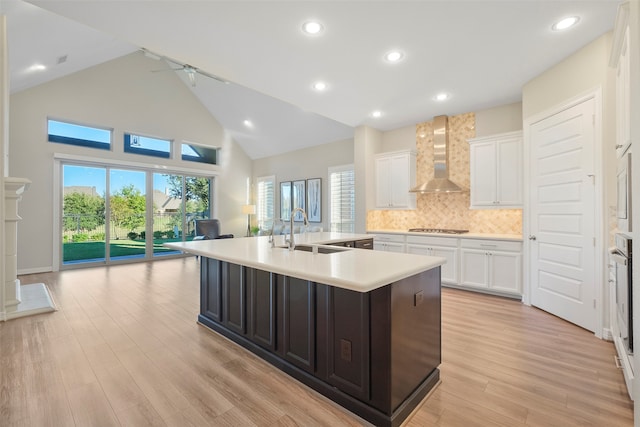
272, 239
292, 243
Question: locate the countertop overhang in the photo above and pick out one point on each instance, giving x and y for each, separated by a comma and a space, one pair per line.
360, 270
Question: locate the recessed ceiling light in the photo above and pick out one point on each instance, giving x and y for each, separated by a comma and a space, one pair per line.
312, 28
376, 114
320, 86
37, 67
441, 96
393, 56
565, 23
248, 123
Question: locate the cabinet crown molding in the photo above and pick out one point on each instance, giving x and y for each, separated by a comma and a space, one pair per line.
504, 135
391, 153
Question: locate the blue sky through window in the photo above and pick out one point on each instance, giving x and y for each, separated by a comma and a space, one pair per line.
86, 176
80, 132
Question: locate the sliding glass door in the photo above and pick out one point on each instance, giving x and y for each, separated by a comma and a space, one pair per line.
167, 212
127, 214
145, 210
83, 214
197, 192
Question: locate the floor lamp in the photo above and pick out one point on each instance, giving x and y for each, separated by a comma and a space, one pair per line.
249, 210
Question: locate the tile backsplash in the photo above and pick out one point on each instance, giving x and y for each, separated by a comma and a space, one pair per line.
447, 210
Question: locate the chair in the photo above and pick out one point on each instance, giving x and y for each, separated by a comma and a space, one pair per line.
209, 229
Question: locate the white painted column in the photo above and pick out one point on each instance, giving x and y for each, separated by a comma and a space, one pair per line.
13, 189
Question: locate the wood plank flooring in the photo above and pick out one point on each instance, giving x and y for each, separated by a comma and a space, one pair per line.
124, 349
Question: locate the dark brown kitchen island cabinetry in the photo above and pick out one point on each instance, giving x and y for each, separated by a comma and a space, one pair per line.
261, 308
361, 244
296, 321
375, 353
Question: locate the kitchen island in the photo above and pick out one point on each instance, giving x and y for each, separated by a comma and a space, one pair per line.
361, 327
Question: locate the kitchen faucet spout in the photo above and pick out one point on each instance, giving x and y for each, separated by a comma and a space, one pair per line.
292, 243
272, 239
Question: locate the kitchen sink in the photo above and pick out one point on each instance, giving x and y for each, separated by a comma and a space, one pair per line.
321, 249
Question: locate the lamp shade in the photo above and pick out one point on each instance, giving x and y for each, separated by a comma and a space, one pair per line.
249, 209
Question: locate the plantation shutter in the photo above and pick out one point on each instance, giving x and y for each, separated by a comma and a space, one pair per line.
265, 200
342, 199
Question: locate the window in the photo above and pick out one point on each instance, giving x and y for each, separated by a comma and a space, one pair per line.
84, 136
147, 146
199, 153
111, 214
265, 201
342, 199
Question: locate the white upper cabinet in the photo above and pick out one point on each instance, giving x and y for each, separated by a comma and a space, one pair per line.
395, 176
621, 62
496, 171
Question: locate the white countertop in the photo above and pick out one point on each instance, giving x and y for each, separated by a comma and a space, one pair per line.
492, 236
360, 270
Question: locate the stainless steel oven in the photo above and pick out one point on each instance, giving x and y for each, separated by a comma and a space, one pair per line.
624, 296
623, 209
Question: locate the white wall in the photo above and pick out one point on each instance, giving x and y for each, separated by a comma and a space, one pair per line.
367, 143
4, 148
312, 162
399, 139
123, 94
583, 72
504, 118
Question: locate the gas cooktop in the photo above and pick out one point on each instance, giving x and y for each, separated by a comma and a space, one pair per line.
437, 230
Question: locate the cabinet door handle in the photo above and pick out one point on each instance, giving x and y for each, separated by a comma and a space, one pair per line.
532, 237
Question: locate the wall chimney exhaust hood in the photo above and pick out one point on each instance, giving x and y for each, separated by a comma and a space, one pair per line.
440, 183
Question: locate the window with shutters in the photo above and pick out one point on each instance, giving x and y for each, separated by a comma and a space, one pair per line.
265, 194
342, 199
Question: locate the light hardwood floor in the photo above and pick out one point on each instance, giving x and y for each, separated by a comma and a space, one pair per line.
124, 349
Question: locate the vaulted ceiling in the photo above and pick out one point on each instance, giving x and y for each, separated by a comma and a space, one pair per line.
478, 52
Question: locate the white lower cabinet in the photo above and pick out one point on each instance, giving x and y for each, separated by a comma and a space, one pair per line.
487, 265
441, 247
389, 242
491, 265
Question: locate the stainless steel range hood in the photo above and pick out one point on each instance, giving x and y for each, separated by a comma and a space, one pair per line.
440, 183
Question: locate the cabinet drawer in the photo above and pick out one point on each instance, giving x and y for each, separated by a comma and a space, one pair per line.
433, 241
491, 245
364, 244
397, 238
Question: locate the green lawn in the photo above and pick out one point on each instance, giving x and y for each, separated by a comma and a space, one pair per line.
78, 251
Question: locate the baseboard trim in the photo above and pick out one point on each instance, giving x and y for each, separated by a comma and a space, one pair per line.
35, 270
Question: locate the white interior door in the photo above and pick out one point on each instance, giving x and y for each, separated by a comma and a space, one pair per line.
562, 214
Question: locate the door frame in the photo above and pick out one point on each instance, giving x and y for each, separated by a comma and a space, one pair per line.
600, 208
59, 159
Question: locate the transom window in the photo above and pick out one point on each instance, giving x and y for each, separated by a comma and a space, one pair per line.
74, 134
147, 146
199, 153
